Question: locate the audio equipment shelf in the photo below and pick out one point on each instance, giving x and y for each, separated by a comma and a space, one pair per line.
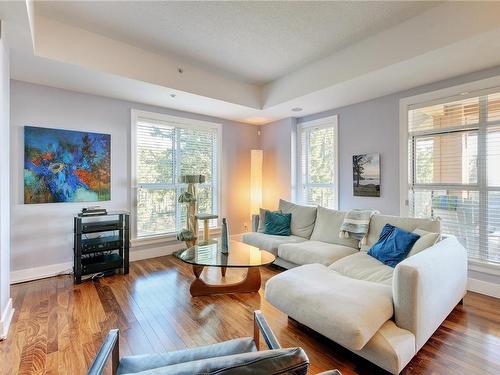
101, 244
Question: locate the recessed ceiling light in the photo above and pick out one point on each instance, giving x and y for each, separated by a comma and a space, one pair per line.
296, 109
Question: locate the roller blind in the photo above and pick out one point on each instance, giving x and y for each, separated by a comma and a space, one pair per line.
317, 165
165, 151
454, 170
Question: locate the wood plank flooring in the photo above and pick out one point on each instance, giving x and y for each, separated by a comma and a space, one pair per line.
58, 327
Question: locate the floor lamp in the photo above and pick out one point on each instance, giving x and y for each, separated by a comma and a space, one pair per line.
256, 157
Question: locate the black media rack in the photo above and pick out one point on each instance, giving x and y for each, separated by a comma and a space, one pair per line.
101, 244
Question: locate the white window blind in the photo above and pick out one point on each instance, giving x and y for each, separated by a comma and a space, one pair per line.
165, 151
317, 162
454, 170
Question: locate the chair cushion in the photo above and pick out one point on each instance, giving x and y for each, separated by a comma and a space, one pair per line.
393, 245
314, 252
277, 223
327, 228
361, 266
409, 224
346, 310
426, 240
269, 242
138, 363
303, 218
268, 362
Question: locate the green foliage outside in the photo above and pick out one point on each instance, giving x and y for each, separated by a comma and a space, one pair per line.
158, 149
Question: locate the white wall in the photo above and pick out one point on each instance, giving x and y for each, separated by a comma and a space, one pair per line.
42, 233
5, 307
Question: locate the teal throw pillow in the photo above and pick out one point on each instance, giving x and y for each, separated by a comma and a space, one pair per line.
393, 245
277, 223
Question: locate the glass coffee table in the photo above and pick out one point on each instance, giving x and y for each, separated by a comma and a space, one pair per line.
240, 255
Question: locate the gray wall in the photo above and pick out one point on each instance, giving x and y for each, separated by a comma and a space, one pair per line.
276, 141
4, 183
42, 233
373, 126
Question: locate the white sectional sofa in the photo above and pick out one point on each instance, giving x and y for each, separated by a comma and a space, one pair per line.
381, 313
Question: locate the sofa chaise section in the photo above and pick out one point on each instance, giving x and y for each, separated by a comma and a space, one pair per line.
347, 311
425, 288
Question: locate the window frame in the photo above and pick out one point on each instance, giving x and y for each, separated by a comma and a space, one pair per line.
468, 90
180, 122
325, 122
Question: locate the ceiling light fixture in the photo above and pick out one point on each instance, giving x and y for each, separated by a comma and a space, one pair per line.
296, 109
173, 95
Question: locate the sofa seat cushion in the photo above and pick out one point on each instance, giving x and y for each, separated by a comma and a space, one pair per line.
269, 242
346, 310
362, 266
314, 252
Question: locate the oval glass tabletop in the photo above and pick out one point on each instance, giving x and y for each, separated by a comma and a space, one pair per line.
239, 255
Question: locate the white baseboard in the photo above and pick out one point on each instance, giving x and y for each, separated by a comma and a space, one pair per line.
484, 287
36, 273
7, 315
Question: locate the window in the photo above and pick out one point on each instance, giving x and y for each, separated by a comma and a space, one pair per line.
317, 163
454, 169
165, 148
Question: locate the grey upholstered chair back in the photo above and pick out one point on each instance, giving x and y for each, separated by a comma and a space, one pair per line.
292, 361
233, 357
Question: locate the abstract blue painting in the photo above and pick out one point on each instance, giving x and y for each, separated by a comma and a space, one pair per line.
66, 166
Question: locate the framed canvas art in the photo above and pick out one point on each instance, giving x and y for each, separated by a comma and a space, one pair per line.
66, 166
366, 175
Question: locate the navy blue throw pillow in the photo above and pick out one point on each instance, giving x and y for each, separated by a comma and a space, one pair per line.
277, 223
393, 245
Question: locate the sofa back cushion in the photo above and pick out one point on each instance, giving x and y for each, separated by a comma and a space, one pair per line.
407, 223
327, 228
303, 218
426, 240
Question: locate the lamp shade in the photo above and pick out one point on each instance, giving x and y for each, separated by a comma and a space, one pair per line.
256, 157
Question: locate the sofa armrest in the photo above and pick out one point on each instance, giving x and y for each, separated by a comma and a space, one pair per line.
255, 222
427, 287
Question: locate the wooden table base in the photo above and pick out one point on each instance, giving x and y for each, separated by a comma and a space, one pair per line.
251, 283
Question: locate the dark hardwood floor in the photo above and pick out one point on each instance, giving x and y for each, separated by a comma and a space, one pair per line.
58, 327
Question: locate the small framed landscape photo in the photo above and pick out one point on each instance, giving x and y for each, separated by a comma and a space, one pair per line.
366, 175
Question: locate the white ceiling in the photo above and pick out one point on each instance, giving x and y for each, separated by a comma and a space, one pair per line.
253, 41
316, 56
